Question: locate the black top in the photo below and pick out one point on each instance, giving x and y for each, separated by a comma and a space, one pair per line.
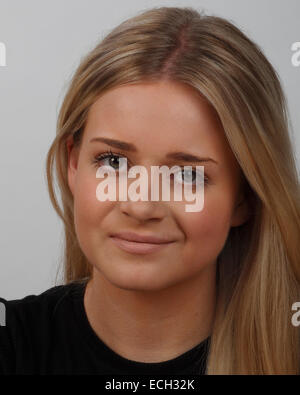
50, 334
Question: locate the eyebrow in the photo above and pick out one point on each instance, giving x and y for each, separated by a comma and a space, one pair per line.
182, 156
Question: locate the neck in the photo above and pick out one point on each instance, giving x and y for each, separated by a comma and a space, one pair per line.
152, 326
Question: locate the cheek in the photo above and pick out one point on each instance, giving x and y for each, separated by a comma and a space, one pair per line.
206, 231
88, 211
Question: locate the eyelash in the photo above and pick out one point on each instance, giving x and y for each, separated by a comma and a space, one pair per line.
109, 154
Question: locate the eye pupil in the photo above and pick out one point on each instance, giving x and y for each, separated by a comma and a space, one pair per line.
114, 158
188, 175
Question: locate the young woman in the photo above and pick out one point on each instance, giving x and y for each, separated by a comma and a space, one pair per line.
150, 288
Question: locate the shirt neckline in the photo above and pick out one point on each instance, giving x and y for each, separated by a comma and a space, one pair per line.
185, 362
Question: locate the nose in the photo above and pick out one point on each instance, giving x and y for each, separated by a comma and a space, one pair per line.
142, 211
144, 208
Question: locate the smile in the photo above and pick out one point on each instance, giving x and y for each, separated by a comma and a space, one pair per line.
138, 247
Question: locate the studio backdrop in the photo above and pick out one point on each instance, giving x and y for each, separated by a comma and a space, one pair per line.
41, 44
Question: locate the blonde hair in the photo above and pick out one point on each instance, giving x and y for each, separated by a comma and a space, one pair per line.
258, 277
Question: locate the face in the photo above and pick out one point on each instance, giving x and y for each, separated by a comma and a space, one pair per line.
157, 118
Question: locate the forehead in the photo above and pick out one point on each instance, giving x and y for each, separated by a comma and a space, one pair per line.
161, 116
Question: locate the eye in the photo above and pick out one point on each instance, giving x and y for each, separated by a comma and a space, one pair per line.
188, 176
111, 158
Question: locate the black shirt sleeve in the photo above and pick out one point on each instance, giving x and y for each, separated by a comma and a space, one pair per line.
7, 348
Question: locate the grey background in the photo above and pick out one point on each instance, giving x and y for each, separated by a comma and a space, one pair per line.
45, 41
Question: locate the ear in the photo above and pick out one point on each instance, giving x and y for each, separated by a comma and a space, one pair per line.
241, 212
73, 154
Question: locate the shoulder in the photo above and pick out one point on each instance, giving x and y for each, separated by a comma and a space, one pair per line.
49, 294
26, 323
24, 308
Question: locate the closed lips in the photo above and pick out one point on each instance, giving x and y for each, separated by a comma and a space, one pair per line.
129, 236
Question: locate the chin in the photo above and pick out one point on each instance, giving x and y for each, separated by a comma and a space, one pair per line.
141, 282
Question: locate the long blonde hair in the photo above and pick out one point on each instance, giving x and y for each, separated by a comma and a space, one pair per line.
258, 277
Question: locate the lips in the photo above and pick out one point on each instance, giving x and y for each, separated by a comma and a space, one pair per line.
139, 244
138, 238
